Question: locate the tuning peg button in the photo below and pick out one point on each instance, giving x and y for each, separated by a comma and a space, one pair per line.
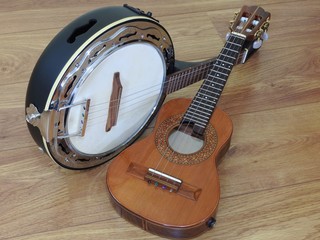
265, 36
257, 44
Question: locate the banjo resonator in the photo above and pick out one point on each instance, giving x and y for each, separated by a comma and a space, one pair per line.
76, 110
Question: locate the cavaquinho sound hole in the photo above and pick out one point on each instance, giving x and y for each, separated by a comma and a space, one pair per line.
181, 148
182, 142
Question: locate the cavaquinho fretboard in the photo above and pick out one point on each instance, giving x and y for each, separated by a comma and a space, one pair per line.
200, 110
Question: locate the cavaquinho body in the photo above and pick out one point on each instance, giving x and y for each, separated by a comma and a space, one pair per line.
188, 210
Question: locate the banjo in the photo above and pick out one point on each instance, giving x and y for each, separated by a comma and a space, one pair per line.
100, 82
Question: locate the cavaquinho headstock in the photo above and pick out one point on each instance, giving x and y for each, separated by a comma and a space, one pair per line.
252, 23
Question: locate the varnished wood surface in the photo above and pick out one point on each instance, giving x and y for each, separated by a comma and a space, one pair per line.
183, 213
270, 177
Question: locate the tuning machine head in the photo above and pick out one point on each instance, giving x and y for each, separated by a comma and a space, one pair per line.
265, 26
251, 22
257, 44
233, 20
261, 35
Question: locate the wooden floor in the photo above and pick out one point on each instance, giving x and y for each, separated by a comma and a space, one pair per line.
270, 177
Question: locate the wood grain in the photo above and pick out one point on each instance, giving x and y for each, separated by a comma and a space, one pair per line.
160, 212
269, 179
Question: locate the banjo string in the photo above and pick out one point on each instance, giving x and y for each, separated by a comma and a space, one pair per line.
137, 95
170, 79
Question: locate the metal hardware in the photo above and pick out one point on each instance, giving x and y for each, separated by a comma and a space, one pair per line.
83, 119
140, 12
48, 121
44, 121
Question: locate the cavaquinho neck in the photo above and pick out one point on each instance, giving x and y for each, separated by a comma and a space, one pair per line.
203, 104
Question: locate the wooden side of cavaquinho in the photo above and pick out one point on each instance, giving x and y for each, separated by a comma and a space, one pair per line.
164, 231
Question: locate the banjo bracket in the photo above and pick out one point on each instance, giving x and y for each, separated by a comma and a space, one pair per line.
140, 12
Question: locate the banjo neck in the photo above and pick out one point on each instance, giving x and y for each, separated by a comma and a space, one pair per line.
188, 76
195, 73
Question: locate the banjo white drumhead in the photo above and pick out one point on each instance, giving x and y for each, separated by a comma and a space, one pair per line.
142, 73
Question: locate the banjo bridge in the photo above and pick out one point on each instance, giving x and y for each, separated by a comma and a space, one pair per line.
114, 103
